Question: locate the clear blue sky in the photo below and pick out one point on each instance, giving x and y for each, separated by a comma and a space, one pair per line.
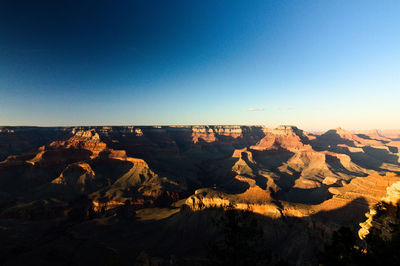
314, 64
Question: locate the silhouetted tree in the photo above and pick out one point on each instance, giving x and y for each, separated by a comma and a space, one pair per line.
384, 251
342, 250
242, 241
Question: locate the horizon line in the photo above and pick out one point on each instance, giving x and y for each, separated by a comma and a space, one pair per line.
190, 125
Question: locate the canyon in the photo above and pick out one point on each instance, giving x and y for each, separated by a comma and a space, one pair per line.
118, 193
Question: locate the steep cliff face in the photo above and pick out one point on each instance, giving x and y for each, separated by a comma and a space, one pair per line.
284, 137
254, 199
383, 216
301, 186
211, 133
80, 162
84, 140
253, 164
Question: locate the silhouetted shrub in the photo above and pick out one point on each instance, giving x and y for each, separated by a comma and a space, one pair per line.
343, 249
242, 241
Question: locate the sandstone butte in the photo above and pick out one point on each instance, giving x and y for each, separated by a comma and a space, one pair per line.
255, 166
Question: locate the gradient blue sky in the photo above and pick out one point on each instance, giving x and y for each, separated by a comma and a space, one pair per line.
314, 64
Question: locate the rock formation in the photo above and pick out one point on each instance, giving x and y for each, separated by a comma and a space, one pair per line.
383, 215
284, 175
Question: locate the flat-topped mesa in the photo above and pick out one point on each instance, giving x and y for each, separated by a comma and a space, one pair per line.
286, 137
228, 130
211, 133
287, 130
106, 130
203, 133
82, 139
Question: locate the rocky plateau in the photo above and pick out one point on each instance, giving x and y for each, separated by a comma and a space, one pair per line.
105, 187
